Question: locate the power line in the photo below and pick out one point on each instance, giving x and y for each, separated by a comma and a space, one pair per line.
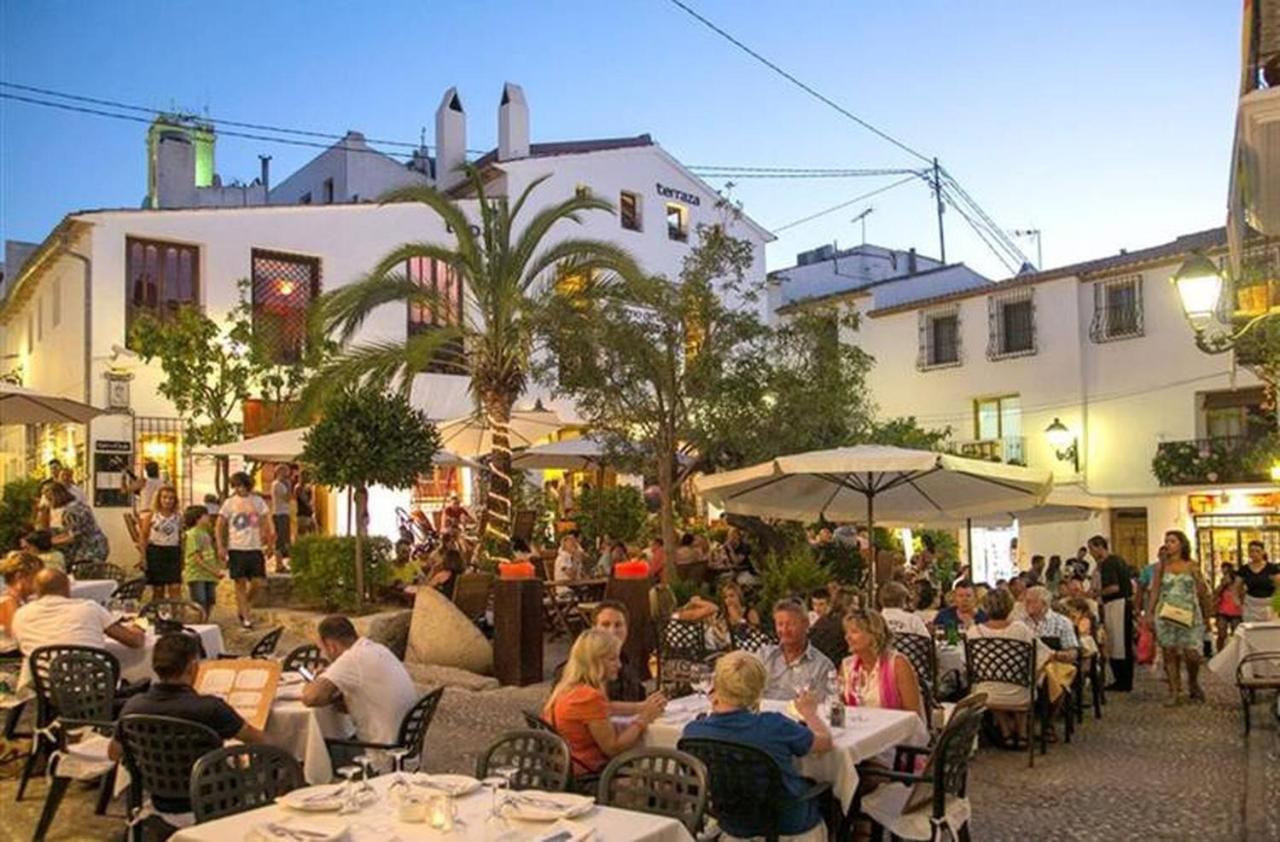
799, 84
846, 204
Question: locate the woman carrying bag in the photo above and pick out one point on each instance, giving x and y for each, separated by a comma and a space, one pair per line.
1180, 604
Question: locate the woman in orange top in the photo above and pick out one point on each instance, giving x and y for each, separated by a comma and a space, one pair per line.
579, 708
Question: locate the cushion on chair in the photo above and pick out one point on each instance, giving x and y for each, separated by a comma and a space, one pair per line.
885, 804
85, 760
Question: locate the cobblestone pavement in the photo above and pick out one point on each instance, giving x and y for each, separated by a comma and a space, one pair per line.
1142, 772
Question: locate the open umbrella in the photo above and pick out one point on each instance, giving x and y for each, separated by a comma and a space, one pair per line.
287, 445
471, 435
898, 485
19, 405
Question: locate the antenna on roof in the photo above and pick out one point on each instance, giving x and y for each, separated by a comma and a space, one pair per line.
1032, 232
862, 217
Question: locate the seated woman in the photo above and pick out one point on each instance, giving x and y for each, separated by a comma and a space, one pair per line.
1001, 694
739, 683
19, 570
874, 675
579, 708
443, 575
728, 613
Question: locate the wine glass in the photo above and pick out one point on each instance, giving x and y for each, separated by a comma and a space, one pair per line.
366, 762
703, 681
494, 783
399, 786
350, 800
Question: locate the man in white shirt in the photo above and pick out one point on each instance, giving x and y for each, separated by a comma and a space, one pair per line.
894, 598
243, 532
367, 679
54, 618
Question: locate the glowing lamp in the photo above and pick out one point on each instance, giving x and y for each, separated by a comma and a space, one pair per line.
285, 287
634, 569
1275, 471
1063, 443
516, 570
1199, 285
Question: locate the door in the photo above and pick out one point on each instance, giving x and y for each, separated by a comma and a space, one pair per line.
1129, 536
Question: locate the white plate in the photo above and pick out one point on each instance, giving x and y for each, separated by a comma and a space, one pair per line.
320, 799
455, 785
535, 806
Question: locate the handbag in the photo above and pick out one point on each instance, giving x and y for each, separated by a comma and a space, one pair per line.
1176, 614
1145, 651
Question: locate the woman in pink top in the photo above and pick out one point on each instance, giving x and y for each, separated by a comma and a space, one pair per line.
874, 675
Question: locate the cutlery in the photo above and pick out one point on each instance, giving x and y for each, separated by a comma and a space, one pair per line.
298, 835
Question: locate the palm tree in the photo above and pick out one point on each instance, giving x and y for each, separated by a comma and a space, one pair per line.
507, 277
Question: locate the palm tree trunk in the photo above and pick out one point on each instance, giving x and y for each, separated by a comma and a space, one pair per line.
498, 502
362, 508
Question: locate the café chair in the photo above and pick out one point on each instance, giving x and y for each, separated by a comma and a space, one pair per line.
80, 686
307, 655
541, 760
264, 648
1073, 692
1250, 679
1006, 661
160, 753
746, 788
413, 730
748, 638
241, 777
536, 723
682, 650
133, 589
97, 570
662, 781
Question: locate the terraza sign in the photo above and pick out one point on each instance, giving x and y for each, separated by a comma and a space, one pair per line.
671, 193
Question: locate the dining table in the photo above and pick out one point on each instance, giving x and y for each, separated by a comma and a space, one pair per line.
867, 733
302, 730
1247, 639
378, 822
135, 664
94, 590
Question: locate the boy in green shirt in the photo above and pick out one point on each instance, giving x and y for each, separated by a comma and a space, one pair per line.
201, 568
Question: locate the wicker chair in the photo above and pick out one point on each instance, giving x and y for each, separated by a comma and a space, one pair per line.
307, 655
541, 760
749, 638
239, 778
1075, 691
657, 780
683, 649
413, 728
132, 589
1006, 661
175, 610
81, 687
922, 652
536, 723
746, 787
160, 753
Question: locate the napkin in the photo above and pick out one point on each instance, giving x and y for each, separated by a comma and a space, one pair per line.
577, 831
298, 830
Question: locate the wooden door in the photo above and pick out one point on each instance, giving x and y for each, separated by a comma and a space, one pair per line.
1129, 536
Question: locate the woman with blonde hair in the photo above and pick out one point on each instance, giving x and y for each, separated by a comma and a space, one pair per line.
160, 540
579, 707
874, 675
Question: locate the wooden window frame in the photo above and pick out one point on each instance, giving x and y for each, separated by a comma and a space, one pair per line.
161, 311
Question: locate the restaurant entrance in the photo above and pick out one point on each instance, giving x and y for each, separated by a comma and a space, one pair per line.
1225, 524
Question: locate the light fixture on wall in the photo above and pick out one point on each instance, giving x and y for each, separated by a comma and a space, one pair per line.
1065, 445
1201, 287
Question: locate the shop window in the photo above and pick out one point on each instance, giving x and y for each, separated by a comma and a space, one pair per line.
284, 285
160, 278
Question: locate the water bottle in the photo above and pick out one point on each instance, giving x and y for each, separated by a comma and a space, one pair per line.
834, 699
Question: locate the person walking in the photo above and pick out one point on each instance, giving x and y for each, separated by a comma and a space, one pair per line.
281, 497
1180, 606
243, 532
1117, 611
201, 568
1228, 603
159, 540
1260, 576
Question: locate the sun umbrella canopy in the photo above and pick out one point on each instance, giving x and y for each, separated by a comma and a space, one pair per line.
1063, 505
898, 485
287, 445
471, 435
19, 405
580, 454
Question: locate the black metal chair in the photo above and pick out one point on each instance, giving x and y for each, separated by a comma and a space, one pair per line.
1073, 692
536, 723
747, 794
307, 655
131, 589
264, 648
239, 778
1249, 680
936, 789
81, 687
748, 638
1006, 661
660, 781
922, 652
413, 728
160, 753
174, 610
39, 663
683, 650
98, 570
541, 760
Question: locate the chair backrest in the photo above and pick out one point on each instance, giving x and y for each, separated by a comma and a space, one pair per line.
682, 651
1000, 659
131, 589
79, 682
657, 780
160, 752
41, 663
948, 767
98, 570
536, 723
177, 610
745, 785
307, 655
413, 728
921, 651
540, 760
239, 778
266, 647
749, 638
471, 594
131, 524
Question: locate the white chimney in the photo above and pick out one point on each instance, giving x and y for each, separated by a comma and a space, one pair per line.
175, 171
451, 140
513, 124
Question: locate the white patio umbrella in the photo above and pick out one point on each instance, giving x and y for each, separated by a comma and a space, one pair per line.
19, 405
471, 435
287, 445
897, 485
580, 454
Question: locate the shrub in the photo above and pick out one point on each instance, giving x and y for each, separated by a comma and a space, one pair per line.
324, 569
843, 561
795, 574
17, 503
618, 513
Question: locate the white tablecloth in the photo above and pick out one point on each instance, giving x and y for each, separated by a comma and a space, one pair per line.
378, 823
1247, 639
301, 731
867, 733
96, 590
135, 664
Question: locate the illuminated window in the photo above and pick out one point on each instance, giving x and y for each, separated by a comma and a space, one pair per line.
284, 285
446, 287
677, 223
160, 277
629, 210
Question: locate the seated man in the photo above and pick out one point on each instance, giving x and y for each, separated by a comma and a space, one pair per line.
794, 664
366, 679
627, 690
963, 612
894, 598
1045, 622
174, 661
55, 618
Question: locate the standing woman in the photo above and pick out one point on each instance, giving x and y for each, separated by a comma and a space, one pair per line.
1053, 574
1229, 603
1260, 576
76, 532
1180, 606
160, 531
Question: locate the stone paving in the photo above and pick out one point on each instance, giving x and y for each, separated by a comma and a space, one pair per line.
1142, 772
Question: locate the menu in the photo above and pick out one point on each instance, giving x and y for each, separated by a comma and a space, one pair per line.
246, 684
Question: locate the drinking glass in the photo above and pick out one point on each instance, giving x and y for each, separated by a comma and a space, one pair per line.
350, 798
703, 680
366, 762
399, 786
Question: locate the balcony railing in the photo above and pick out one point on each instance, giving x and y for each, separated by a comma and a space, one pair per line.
1225, 460
1008, 450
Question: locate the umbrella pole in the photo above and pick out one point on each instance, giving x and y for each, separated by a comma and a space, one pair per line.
968, 531
871, 541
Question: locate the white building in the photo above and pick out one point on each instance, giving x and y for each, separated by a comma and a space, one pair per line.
67, 310
1102, 348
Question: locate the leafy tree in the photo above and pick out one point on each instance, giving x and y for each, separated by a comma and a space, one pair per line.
617, 513
369, 437
506, 271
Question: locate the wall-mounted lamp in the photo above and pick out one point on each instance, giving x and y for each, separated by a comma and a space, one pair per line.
1065, 446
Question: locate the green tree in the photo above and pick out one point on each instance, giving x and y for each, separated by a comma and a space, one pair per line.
507, 271
369, 437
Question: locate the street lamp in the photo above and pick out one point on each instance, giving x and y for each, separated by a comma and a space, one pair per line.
1201, 286
1065, 445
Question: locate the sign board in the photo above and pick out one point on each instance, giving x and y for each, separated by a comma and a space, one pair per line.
110, 460
248, 685
680, 195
